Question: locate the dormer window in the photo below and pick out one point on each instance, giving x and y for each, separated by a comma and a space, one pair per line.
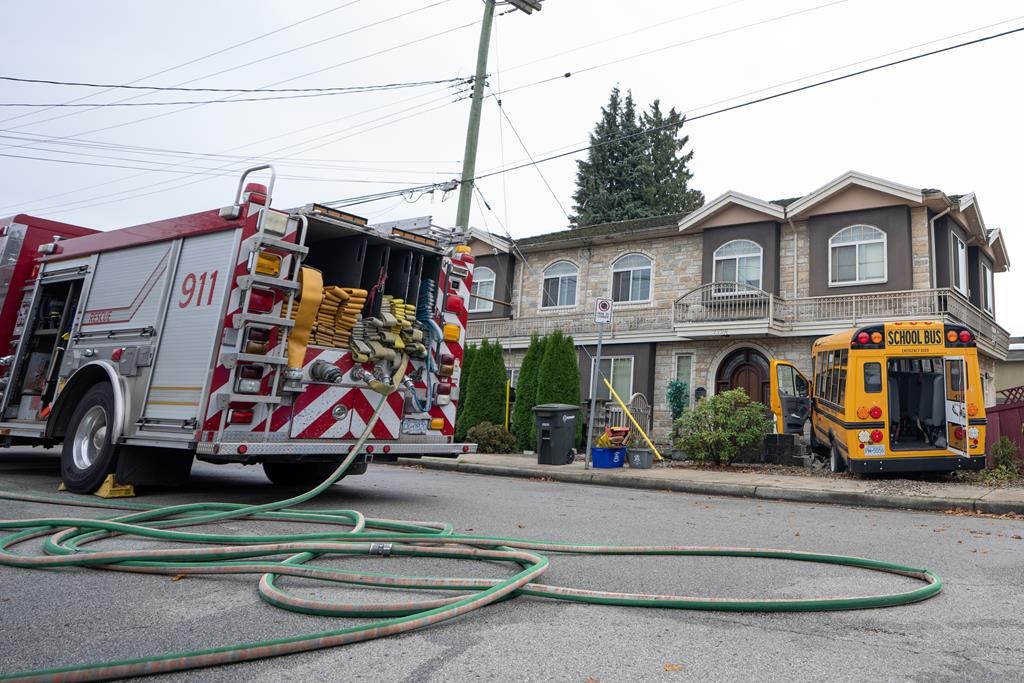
857, 256
739, 262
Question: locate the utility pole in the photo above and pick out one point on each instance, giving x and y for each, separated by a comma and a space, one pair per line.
473, 132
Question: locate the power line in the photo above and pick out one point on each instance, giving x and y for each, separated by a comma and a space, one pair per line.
758, 100
161, 88
193, 61
523, 145
298, 94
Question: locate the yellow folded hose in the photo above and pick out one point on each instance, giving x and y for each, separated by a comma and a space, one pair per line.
311, 293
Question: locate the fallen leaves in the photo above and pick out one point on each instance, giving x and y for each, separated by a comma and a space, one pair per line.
677, 667
177, 577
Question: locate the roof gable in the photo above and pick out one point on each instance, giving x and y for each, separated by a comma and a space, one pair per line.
872, 189
731, 208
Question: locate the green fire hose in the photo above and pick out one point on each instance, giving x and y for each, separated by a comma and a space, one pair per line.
349, 533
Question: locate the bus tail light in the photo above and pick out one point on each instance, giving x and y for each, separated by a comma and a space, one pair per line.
965, 336
863, 338
958, 433
864, 436
875, 412
869, 338
862, 413
973, 433
972, 409
951, 336
876, 436
876, 337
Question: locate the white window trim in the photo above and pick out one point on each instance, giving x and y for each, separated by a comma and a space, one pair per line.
988, 295
884, 239
598, 385
650, 290
963, 288
483, 306
692, 379
715, 258
544, 278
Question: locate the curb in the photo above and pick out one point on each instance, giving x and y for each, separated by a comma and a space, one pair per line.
851, 498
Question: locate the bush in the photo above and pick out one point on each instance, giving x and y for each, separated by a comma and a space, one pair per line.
468, 353
721, 427
486, 389
1004, 459
492, 438
523, 424
558, 380
678, 396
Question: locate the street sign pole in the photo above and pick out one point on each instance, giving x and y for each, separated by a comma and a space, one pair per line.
603, 316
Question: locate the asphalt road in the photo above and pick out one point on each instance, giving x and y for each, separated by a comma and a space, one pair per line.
973, 631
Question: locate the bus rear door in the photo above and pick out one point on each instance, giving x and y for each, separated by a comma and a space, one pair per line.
955, 370
790, 397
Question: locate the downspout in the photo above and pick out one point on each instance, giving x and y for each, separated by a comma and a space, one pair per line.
931, 245
785, 213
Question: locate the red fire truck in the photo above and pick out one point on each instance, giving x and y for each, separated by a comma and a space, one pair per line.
241, 335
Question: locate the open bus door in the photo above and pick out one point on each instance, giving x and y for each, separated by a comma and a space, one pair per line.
790, 397
955, 371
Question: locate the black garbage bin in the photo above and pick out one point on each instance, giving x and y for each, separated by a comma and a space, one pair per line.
556, 432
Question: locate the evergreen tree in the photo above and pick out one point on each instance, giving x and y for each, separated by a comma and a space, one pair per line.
524, 426
468, 353
559, 374
486, 387
635, 167
669, 183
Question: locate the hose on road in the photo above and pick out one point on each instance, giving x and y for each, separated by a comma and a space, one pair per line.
352, 534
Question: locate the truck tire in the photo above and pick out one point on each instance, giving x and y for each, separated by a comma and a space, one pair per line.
88, 455
299, 473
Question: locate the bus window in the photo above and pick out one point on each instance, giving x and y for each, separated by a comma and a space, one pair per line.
872, 377
843, 358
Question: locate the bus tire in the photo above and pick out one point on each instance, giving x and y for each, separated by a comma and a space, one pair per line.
836, 464
299, 473
88, 455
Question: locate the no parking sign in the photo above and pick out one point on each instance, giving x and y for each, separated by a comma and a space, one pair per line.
603, 311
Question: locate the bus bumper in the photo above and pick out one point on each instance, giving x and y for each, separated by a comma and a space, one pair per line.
936, 464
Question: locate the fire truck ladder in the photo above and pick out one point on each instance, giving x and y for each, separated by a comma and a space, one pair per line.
286, 283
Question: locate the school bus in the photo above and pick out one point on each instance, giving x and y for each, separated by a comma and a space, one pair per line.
890, 397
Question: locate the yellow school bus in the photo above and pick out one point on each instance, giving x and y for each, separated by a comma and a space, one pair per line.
890, 397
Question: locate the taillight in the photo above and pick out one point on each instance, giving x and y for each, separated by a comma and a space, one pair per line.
240, 416
951, 336
442, 394
257, 340
863, 338
876, 435
437, 423
261, 301
249, 380
268, 264
959, 433
116, 354
455, 304
965, 336
972, 409
876, 337
875, 412
446, 366
369, 449
451, 332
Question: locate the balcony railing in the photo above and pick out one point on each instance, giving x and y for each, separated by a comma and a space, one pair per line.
730, 302
575, 324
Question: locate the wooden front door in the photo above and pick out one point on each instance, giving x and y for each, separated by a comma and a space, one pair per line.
745, 369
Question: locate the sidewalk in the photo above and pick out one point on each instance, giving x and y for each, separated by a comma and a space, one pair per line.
868, 492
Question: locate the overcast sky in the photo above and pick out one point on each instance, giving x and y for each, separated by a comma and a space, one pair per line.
950, 121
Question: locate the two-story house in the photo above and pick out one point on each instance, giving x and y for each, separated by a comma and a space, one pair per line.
709, 297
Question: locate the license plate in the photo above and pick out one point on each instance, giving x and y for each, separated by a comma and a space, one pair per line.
874, 449
415, 425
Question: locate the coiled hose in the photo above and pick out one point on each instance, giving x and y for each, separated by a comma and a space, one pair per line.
353, 534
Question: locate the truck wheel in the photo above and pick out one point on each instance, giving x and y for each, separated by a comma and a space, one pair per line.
299, 473
836, 464
88, 455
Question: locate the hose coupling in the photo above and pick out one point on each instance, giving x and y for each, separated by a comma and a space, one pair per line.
322, 371
361, 374
382, 549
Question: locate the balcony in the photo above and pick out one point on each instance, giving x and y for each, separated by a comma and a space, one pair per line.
719, 308
642, 325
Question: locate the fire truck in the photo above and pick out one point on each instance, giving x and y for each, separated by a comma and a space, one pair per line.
245, 334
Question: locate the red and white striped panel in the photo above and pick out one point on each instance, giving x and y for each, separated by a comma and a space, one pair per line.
460, 288
313, 415
219, 382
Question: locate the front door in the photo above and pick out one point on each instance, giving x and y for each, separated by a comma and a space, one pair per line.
954, 369
745, 369
790, 398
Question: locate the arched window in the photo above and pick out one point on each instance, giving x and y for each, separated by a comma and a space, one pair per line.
483, 285
559, 285
738, 261
857, 256
631, 278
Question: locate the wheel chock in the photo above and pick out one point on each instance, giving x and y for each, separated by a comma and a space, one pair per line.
62, 487
111, 488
